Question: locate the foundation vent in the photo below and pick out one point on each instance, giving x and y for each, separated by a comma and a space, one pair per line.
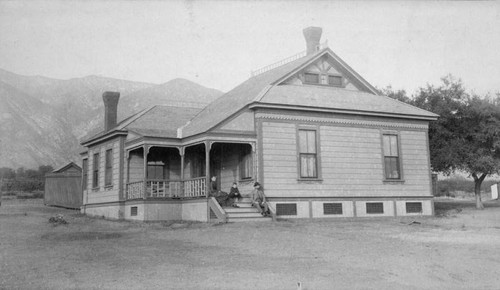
374, 207
332, 208
133, 211
286, 209
413, 207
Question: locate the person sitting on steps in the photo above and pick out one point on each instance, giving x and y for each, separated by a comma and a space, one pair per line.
234, 194
259, 199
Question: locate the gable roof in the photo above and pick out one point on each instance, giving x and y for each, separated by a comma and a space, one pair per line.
156, 121
266, 88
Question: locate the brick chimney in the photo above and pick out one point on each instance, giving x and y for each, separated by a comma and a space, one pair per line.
313, 36
110, 109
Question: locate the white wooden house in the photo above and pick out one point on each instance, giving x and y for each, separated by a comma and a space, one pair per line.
319, 137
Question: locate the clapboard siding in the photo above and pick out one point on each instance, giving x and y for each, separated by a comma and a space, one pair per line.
136, 167
104, 193
350, 158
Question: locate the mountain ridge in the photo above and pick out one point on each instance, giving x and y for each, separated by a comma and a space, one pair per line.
43, 119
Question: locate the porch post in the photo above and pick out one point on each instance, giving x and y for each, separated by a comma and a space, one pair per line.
127, 179
145, 154
208, 146
181, 152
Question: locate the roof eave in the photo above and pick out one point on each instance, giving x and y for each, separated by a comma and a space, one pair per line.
342, 111
104, 137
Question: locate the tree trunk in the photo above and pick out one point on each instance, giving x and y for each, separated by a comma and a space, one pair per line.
477, 189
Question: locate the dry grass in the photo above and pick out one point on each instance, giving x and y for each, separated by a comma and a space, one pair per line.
455, 250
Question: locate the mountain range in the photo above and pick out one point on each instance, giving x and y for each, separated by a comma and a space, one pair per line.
42, 120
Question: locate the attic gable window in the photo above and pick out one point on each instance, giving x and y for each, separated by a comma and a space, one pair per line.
323, 79
335, 81
311, 78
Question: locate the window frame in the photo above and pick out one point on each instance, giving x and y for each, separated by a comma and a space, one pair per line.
85, 173
95, 170
326, 77
399, 157
243, 159
108, 168
153, 165
316, 129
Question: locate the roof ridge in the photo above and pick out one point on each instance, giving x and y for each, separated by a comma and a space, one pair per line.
135, 117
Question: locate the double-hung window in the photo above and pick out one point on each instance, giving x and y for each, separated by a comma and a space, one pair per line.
391, 157
308, 154
156, 170
108, 174
85, 173
246, 165
95, 171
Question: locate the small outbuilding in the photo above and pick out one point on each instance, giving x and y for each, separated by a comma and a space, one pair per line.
63, 187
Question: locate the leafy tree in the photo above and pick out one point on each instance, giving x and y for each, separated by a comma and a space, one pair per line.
399, 95
44, 169
466, 137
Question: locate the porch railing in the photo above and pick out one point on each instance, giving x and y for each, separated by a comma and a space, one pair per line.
135, 190
159, 188
195, 187
164, 188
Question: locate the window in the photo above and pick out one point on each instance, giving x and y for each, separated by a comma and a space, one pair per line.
413, 207
85, 173
323, 79
133, 211
332, 208
156, 170
95, 171
197, 165
335, 81
391, 157
246, 165
311, 78
308, 154
375, 207
108, 173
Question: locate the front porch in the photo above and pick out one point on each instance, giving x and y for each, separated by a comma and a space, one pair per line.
157, 172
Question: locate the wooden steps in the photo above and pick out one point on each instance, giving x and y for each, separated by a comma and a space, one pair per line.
244, 213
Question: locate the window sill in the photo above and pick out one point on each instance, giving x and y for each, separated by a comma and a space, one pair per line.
95, 189
108, 187
323, 85
309, 180
246, 180
393, 181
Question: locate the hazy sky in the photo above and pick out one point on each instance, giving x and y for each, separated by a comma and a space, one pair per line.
217, 43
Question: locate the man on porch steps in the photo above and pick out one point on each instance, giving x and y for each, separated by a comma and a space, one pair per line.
259, 199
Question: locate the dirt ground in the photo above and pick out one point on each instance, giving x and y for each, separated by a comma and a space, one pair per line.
459, 248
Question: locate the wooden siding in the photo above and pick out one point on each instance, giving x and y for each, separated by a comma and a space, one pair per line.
104, 193
351, 162
231, 170
136, 166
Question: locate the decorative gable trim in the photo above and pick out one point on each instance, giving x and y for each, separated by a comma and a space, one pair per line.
329, 52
